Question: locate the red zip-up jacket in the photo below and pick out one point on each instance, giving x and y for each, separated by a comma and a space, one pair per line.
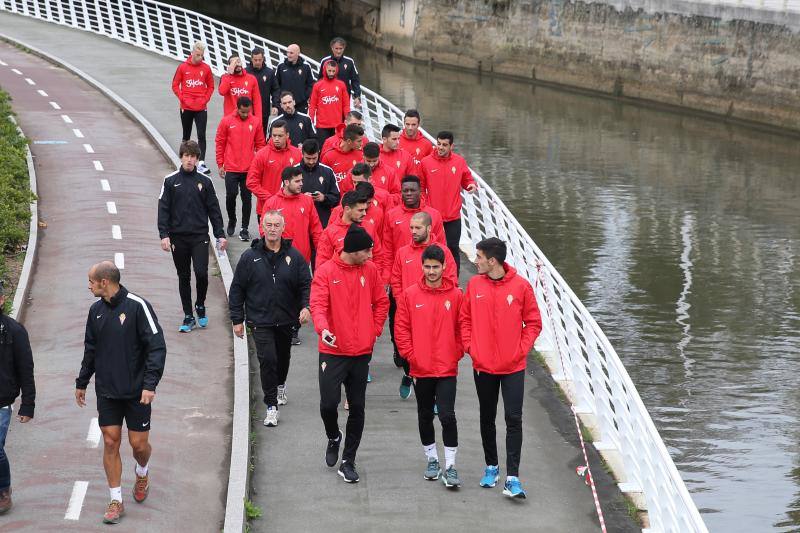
329, 102
193, 85
336, 140
238, 141
426, 329
401, 161
419, 148
350, 302
264, 176
302, 221
443, 178
500, 321
397, 227
231, 87
407, 266
373, 221
382, 196
331, 242
342, 162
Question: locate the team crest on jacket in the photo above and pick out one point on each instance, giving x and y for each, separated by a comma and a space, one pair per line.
345, 66
383, 179
323, 366
300, 125
199, 186
291, 161
250, 127
417, 151
300, 71
264, 78
321, 180
337, 88
362, 281
288, 260
398, 163
245, 84
122, 319
447, 304
509, 299
375, 203
302, 210
453, 170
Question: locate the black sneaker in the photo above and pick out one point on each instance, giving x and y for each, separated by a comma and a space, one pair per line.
295, 339
332, 451
244, 235
348, 472
188, 324
231, 226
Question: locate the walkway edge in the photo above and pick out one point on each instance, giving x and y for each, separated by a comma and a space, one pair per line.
23, 284
240, 441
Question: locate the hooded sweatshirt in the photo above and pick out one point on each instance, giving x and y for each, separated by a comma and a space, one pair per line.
407, 266
233, 86
336, 140
295, 78
342, 162
397, 227
443, 178
238, 141
193, 85
401, 161
302, 221
264, 176
329, 101
419, 148
331, 242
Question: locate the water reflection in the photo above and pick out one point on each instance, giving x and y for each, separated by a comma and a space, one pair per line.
680, 234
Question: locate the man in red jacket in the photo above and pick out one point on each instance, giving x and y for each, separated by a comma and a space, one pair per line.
412, 140
428, 336
349, 306
329, 102
384, 176
353, 210
302, 221
443, 175
353, 117
264, 176
193, 84
380, 199
239, 137
344, 156
405, 271
499, 324
237, 82
393, 155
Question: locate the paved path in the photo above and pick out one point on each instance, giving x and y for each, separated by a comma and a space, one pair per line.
290, 481
191, 414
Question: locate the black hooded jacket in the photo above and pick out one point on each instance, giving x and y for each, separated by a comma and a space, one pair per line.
347, 72
16, 366
186, 204
321, 178
267, 86
297, 79
269, 288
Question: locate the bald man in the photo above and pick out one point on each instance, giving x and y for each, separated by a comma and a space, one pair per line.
124, 349
294, 75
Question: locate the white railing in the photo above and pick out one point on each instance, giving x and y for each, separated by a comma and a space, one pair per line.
583, 361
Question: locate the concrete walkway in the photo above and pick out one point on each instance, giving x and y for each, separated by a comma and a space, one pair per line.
290, 482
80, 138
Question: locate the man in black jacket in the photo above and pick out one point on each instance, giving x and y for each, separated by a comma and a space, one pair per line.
186, 203
267, 85
319, 182
298, 124
16, 373
294, 75
270, 292
347, 72
124, 349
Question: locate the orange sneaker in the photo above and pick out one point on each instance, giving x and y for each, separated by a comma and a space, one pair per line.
114, 512
141, 488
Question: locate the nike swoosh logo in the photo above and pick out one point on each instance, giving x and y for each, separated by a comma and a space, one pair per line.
419, 305
98, 316
178, 184
231, 127
434, 170
145, 424
256, 259
271, 160
340, 239
479, 296
408, 261
398, 221
336, 281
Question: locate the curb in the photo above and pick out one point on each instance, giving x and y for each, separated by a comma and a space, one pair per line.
240, 443
23, 285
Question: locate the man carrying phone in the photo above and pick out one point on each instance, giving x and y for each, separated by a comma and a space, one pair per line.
349, 307
124, 349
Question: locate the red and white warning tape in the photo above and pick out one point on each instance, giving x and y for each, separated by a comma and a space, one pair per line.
583, 470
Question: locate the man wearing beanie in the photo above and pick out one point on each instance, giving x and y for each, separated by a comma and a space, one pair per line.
349, 307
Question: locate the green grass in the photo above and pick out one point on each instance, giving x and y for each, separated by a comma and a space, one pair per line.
252, 511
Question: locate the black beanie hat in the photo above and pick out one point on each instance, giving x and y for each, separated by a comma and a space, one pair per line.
357, 239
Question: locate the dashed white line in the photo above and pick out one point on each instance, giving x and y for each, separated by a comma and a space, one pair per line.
30, 81
76, 500
98, 165
111, 206
16, 71
42, 92
66, 119
105, 185
116, 232
88, 148
93, 437
119, 260
55, 105
3, 63
78, 133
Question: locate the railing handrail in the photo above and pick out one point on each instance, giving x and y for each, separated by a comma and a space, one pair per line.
598, 381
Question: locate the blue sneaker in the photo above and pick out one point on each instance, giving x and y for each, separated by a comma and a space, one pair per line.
490, 476
433, 470
435, 409
369, 377
450, 478
188, 324
513, 488
405, 387
202, 319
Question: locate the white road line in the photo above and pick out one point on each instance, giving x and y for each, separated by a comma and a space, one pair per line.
93, 437
3, 63
98, 165
76, 500
15, 71
42, 92
55, 105
30, 81
105, 185
78, 133
88, 148
66, 119
111, 206
119, 260
116, 232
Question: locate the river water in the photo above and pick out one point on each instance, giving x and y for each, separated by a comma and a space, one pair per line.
682, 237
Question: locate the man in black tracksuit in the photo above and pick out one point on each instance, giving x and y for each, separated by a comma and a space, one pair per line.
16, 373
298, 125
270, 291
267, 85
319, 181
294, 75
347, 72
186, 204
125, 351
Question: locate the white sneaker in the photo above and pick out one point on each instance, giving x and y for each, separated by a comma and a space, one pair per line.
271, 420
282, 395
202, 168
